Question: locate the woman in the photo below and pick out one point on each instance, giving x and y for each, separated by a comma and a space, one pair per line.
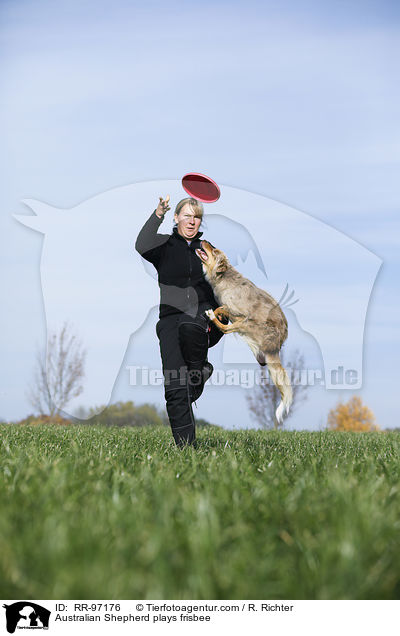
183, 330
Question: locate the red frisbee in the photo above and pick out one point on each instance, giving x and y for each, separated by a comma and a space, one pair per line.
201, 187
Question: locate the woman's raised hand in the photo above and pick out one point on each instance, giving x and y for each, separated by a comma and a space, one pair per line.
163, 207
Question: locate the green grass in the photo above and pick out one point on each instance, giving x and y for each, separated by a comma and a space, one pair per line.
111, 513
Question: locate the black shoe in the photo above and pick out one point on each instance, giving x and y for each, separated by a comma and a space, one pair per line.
197, 389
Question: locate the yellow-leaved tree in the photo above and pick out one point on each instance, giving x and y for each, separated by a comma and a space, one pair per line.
352, 416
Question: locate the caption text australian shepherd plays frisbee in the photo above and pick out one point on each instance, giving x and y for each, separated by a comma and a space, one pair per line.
253, 314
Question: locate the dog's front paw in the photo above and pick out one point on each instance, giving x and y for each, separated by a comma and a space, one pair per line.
210, 314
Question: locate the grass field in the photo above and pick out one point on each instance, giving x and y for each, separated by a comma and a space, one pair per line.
111, 513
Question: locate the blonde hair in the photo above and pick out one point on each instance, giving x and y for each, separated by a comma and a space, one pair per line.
195, 205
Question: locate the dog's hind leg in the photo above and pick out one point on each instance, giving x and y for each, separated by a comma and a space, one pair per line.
235, 326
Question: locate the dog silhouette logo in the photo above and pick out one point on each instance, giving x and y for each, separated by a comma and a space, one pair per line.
26, 615
92, 277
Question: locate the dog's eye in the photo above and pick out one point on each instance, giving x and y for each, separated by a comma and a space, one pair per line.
211, 245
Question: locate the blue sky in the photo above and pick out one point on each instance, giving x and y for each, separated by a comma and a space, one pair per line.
294, 101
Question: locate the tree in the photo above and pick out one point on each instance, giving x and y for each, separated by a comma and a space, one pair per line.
58, 372
352, 416
265, 397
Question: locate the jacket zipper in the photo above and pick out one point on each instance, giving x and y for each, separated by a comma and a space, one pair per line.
190, 270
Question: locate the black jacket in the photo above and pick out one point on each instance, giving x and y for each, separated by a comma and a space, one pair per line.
183, 287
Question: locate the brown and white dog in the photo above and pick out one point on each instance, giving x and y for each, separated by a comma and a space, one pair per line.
253, 314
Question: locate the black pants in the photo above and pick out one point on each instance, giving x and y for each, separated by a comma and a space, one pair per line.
184, 342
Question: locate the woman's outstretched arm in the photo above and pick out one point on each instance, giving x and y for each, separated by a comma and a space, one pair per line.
149, 241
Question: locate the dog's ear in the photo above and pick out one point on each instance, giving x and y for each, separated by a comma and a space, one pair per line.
221, 264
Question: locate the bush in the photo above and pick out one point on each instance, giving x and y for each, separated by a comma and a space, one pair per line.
352, 416
32, 420
126, 414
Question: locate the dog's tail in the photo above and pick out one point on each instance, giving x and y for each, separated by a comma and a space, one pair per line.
281, 380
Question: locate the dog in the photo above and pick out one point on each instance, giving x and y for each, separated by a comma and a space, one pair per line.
254, 315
